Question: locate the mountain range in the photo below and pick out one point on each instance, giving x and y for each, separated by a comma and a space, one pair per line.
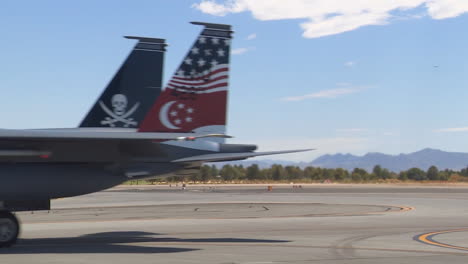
422, 159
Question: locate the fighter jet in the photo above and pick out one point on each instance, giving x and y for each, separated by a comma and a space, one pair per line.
135, 130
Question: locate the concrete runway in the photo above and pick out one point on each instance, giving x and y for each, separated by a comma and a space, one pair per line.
247, 224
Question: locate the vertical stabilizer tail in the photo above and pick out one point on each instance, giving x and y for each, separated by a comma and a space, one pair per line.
195, 99
133, 90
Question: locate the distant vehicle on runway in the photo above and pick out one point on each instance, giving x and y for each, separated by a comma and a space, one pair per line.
134, 131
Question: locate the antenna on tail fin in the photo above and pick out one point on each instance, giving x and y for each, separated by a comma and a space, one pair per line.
195, 98
134, 88
213, 26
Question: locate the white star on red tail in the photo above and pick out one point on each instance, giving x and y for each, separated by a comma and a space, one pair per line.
181, 114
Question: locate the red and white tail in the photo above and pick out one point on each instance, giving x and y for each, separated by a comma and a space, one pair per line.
195, 99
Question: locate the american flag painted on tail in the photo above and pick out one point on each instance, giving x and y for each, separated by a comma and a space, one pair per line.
212, 80
195, 99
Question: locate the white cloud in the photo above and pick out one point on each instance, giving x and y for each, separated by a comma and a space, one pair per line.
239, 51
454, 129
332, 93
350, 63
213, 8
252, 36
329, 17
441, 9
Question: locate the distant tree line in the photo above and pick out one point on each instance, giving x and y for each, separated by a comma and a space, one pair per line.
279, 173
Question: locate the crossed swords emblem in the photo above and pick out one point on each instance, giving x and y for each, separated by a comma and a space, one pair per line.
114, 118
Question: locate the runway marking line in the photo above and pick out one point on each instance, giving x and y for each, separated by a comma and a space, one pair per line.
398, 207
428, 238
359, 213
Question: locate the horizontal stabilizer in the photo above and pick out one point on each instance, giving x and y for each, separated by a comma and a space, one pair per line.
82, 134
234, 156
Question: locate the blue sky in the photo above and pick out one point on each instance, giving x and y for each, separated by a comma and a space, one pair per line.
369, 77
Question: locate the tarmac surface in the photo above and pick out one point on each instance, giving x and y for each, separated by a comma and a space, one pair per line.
248, 224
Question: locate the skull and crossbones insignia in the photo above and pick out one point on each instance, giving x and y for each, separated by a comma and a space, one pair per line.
118, 112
